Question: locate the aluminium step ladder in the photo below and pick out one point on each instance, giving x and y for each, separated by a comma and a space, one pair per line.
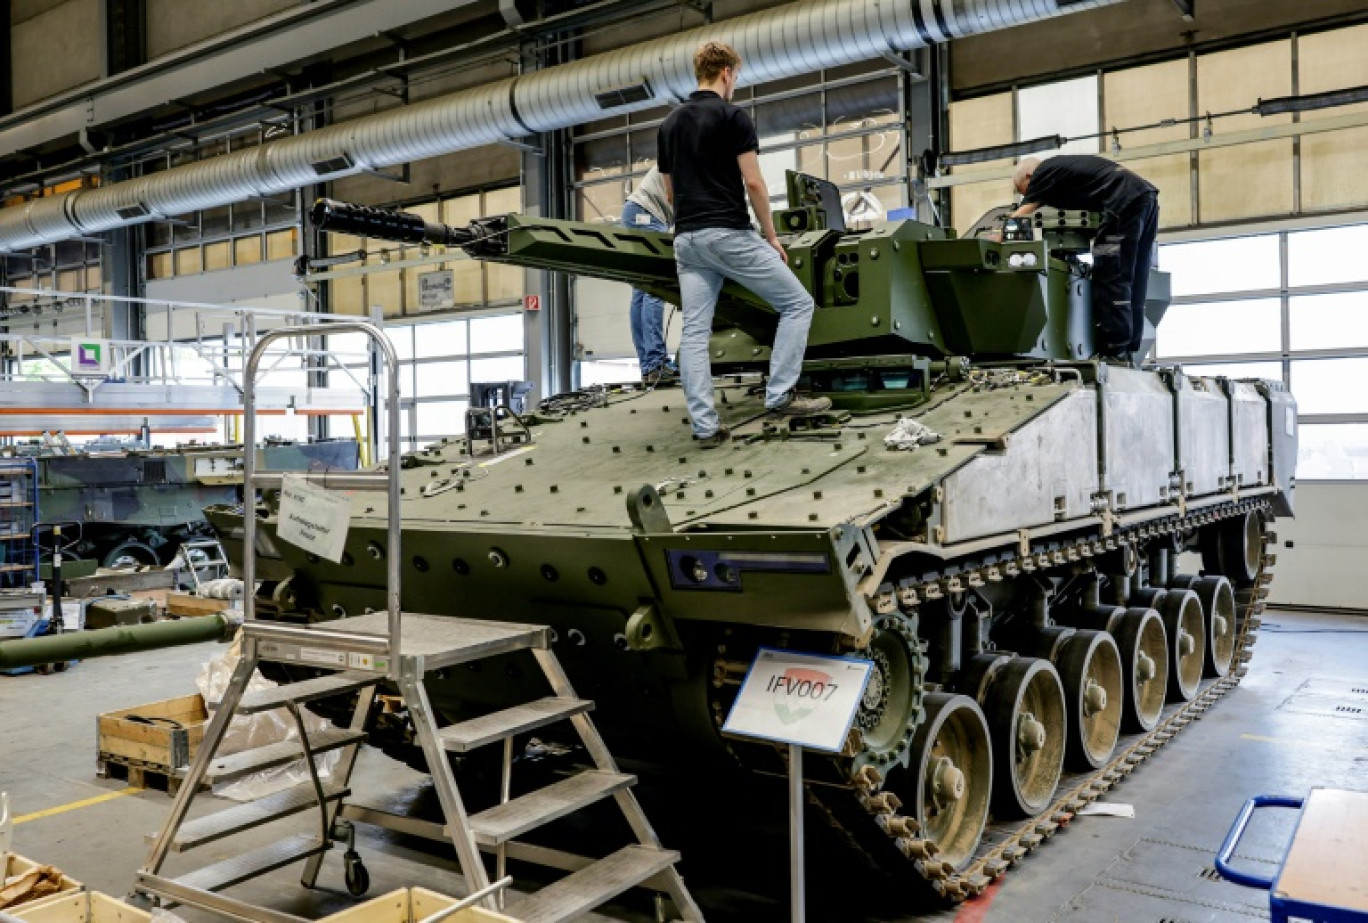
401, 649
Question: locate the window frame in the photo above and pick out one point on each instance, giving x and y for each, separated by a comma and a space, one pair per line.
1284, 293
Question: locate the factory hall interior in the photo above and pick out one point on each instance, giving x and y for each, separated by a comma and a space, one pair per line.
754, 461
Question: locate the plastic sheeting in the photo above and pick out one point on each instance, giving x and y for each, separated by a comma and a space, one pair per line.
248, 732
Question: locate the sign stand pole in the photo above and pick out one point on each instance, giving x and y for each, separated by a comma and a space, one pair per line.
802, 700
796, 832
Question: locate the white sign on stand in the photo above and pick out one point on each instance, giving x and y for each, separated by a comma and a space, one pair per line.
313, 518
803, 700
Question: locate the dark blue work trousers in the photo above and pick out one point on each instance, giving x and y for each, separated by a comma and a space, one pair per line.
1122, 256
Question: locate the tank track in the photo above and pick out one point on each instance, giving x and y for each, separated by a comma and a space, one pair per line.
1006, 845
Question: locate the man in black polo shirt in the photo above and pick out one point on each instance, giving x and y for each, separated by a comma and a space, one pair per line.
1124, 248
708, 153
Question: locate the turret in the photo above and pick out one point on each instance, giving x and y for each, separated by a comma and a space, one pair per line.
903, 288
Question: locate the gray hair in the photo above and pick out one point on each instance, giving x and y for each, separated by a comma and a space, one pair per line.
1023, 172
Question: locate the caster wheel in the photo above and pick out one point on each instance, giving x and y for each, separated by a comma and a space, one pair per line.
357, 878
141, 900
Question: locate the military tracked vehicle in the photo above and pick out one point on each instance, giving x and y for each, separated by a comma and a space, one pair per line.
137, 506
1054, 563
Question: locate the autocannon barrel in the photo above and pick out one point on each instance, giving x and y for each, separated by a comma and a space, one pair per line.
123, 639
386, 224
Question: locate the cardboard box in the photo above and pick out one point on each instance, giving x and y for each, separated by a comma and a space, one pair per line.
14, 866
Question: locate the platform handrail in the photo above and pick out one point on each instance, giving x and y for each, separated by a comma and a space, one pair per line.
336, 480
249, 472
1232, 840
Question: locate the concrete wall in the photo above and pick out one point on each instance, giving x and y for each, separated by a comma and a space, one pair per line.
1322, 553
1116, 33
174, 24
54, 46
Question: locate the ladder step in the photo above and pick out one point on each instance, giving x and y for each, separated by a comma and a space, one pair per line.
309, 690
503, 822
237, 765
593, 885
251, 814
249, 865
519, 719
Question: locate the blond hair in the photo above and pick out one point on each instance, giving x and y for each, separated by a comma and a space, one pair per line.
712, 58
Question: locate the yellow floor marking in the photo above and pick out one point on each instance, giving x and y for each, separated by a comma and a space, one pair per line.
75, 805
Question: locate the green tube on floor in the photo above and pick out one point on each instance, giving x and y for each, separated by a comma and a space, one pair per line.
123, 639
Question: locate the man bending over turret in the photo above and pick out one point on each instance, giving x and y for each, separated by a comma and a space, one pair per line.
1124, 248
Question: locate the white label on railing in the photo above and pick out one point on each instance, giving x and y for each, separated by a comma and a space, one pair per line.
317, 655
313, 518
799, 698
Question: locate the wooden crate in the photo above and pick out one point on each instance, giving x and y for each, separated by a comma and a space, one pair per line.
410, 905
183, 604
12, 865
158, 747
81, 907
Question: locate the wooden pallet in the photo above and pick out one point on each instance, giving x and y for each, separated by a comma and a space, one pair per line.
150, 741
138, 773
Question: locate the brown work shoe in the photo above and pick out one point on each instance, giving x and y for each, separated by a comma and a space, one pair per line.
715, 440
795, 406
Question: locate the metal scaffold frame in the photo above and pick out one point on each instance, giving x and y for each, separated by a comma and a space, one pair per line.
358, 653
181, 380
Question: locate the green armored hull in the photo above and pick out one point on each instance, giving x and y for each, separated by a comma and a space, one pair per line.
1053, 563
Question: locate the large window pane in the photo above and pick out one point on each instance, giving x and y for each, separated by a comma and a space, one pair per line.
402, 338
496, 334
601, 202
1068, 108
1235, 264
441, 418
1327, 256
1329, 321
1330, 385
349, 348
506, 368
861, 105
445, 339
791, 119
608, 372
774, 166
1269, 370
436, 379
1332, 451
1221, 328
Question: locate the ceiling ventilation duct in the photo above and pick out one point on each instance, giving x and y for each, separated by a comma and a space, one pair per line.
786, 41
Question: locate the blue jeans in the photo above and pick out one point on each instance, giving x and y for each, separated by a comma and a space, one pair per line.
708, 258
648, 311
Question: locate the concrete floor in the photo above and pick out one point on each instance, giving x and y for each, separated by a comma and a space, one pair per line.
1299, 719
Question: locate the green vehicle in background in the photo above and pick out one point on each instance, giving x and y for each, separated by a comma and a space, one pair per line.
1053, 562
136, 506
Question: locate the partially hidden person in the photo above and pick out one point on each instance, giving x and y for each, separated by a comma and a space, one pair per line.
648, 209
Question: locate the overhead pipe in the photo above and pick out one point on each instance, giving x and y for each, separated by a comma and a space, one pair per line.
787, 41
